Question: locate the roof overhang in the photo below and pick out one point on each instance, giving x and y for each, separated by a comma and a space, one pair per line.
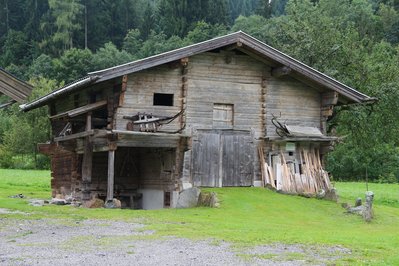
13, 87
58, 93
239, 40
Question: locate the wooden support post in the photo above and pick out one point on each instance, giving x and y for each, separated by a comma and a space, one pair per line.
87, 163
88, 121
111, 170
123, 90
184, 86
87, 166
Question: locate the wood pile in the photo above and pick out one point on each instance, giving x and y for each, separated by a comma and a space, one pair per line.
304, 175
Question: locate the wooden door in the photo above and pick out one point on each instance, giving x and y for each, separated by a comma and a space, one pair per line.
223, 158
206, 159
237, 163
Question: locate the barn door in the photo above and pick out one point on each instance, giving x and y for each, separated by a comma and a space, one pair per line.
237, 163
223, 158
206, 159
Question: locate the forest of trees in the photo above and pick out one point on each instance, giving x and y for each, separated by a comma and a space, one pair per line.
52, 42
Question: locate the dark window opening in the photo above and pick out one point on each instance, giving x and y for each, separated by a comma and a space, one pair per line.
291, 153
92, 98
166, 199
76, 100
164, 99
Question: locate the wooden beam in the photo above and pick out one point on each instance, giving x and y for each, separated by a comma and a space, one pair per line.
327, 111
87, 167
281, 71
159, 134
80, 110
184, 61
111, 170
88, 121
75, 136
329, 98
304, 139
123, 90
13, 87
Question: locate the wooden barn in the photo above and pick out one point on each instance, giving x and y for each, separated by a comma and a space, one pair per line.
231, 111
16, 89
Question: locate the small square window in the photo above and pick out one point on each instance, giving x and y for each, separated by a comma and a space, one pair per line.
163, 99
223, 115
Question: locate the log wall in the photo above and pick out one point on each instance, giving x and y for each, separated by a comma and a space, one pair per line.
139, 95
65, 172
211, 79
297, 103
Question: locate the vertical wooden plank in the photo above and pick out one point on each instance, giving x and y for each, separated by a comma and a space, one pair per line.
228, 160
220, 165
213, 149
87, 166
206, 159
123, 90
110, 181
237, 159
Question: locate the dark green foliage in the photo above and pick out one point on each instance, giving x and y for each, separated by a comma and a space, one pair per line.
73, 64
42, 66
132, 42
178, 17
242, 7
15, 49
204, 31
271, 8
108, 56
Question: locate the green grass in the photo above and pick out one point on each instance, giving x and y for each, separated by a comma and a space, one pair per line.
247, 217
385, 194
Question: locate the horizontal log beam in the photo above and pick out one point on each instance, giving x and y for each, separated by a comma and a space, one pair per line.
80, 110
93, 132
303, 139
138, 133
329, 98
281, 71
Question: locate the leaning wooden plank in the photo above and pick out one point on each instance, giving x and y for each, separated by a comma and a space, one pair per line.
268, 178
308, 172
75, 136
283, 173
262, 166
278, 177
271, 176
81, 110
298, 182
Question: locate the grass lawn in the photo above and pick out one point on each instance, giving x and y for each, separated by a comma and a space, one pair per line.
247, 216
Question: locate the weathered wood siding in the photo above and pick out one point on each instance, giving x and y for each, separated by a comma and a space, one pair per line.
211, 80
81, 97
224, 158
65, 166
139, 95
298, 104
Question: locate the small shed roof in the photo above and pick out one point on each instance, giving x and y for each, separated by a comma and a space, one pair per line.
238, 40
13, 87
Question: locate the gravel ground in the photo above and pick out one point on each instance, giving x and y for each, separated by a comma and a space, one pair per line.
101, 242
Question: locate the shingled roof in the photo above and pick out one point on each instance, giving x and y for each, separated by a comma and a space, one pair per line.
238, 40
15, 88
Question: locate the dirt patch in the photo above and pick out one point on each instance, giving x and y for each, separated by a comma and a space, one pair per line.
90, 242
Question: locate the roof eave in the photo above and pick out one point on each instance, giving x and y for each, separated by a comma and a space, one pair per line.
55, 94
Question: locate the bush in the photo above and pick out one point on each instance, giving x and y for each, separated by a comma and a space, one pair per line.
5, 158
